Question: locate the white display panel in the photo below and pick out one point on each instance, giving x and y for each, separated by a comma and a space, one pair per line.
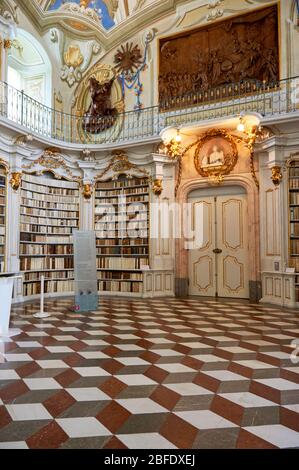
85, 270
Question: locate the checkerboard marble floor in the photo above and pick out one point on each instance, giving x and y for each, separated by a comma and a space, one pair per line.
157, 374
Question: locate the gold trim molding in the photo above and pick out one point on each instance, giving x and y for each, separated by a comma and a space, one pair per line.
120, 163
52, 160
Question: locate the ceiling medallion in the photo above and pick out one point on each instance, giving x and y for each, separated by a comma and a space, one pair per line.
127, 59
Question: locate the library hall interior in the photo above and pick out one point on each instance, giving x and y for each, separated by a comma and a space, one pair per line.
149, 224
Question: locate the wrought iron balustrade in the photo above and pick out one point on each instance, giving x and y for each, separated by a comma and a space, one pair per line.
229, 100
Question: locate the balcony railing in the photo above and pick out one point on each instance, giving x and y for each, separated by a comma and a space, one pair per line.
229, 100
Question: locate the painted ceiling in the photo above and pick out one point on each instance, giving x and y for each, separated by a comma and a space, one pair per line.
98, 6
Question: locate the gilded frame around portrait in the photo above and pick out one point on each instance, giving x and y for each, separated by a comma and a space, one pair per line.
216, 155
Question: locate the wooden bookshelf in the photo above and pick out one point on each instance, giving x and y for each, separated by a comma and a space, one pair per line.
122, 230
3, 182
294, 219
49, 214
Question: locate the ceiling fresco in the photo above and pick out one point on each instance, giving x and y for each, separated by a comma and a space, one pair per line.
97, 5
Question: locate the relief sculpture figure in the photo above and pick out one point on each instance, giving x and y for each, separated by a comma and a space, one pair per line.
100, 114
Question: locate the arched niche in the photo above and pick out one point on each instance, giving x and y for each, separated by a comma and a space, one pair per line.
30, 69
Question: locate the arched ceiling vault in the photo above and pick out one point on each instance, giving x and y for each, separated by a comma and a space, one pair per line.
86, 26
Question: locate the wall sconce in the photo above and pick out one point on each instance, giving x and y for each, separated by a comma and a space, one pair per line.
173, 147
241, 124
15, 180
276, 175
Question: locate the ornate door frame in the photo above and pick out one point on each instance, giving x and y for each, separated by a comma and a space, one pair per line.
253, 227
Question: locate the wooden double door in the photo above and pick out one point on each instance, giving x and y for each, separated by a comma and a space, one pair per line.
219, 267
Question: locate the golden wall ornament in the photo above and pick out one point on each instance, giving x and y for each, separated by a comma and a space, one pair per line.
173, 149
87, 191
73, 56
119, 164
52, 160
216, 155
157, 187
15, 180
276, 175
7, 43
249, 139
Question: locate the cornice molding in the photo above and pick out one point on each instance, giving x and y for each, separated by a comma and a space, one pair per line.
45, 20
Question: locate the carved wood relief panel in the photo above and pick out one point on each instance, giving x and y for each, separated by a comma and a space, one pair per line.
242, 48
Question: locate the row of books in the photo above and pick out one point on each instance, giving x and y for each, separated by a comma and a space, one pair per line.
295, 247
2, 200
46, 221
120, 217
125, 200
123, 191
121, 263
45, 189
122, 250
2, 250
123, 225
294, 213
31, 264
294, 263
36, 203
294, 198
27, 249
47, 197
33, 238
115, 286
2, 230
45, 229
49, 213
50, 287
131, 233
119, 276
294, 229
35, 276
294, 183
1, 238
121, 241
2, 210
2, 220
122, 183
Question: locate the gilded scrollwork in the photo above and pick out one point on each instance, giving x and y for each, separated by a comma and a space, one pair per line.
51, 160
119, 164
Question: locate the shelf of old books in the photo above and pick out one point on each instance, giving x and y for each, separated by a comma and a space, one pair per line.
122, 225
294, 219
3, 182
49, 214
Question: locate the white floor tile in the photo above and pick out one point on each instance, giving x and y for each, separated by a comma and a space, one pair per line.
82, 427
276, 434
141, 405
42, 384
91, 371
87, 394
145, 441
205, 419
28, 412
